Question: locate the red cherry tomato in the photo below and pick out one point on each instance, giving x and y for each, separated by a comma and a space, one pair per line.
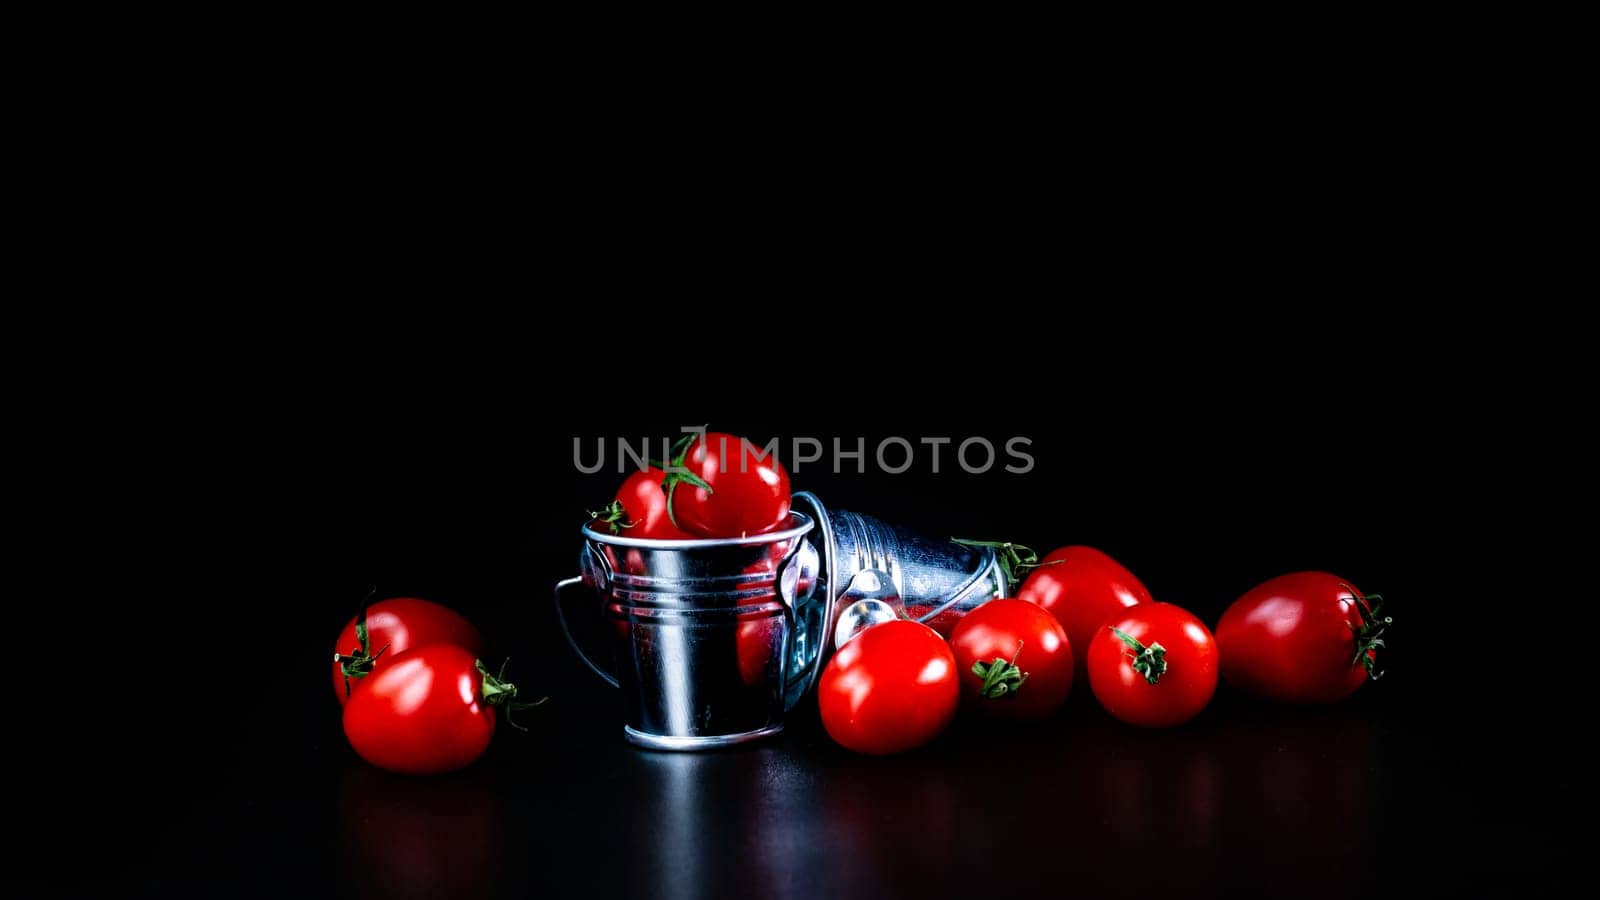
1014, 660
756, 638
891, 688
392, 627
640, 509
1082, 588
430, 710
729, 490
1309, 637
1155, 666
761, 627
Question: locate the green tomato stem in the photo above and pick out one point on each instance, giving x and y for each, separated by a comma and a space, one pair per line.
1369, 635
1001, 678
358, 662
1016, 560
498, 692
1151, 661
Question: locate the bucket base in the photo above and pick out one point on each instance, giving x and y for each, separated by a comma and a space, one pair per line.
702, 742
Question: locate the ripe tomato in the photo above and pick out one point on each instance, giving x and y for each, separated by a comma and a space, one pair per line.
1082, 588
1309, 637
1014, 660
1155, 665
891, 688
430, 710
372, 639
727, 491
756, 637
761, 627
640, 508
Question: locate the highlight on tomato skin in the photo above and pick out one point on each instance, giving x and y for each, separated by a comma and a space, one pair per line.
1155, 666
891, 688
431, 710
731, 488
711, 485
639, 509
1013, 659
393, 626
1303, 638
1082, 587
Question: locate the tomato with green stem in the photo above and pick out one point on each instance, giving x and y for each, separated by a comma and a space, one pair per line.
1014, 660
1308, 637
431, 710
721, 485
639, 509
1082, 587
369, 642
1154, 666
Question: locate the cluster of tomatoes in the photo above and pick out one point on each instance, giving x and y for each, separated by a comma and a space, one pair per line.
713, 485
1308, 637
417, 699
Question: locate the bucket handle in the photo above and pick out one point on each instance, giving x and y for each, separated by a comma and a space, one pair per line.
561, 616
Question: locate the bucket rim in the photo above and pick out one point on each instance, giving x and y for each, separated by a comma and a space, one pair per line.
799, 524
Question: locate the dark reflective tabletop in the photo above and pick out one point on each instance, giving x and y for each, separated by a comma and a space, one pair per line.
1249, 800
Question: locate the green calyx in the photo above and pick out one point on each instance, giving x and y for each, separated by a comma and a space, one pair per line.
498, 692
1369, 634
677, 474
1001, 678
612, 517
1016, 560
359, 661
1151, 661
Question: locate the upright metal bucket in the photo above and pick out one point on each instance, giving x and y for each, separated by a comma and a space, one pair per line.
713, 639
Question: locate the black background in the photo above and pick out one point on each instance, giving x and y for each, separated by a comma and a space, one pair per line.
207, 755
325, 356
